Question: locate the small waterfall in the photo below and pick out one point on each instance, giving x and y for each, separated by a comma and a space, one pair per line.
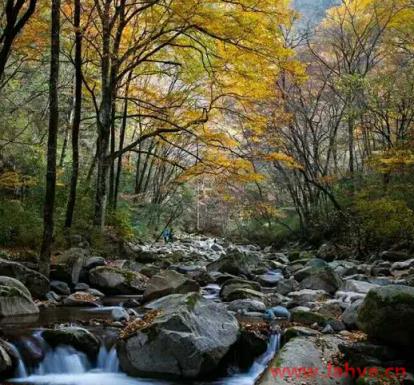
65, 360
21, 371
108, 360
66, 366
258, 367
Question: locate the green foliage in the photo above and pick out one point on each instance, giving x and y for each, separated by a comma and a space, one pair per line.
121, 220
20, 223
264, 232
384, 221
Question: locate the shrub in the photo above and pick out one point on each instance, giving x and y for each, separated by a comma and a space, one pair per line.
384, 221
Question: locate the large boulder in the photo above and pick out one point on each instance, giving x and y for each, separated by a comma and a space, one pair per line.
235, 262
387, 314
15, 299
319, 277
169, 282
303, 360
37, 283
189, 339
235, 289
79, 338
112, 280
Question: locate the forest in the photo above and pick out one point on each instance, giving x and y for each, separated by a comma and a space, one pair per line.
246, 150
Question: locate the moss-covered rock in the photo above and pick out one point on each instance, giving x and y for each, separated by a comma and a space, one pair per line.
79, 338
309, 317
112, 280
169, 282
319, 277
298, 331
15, 299
237, 263
37, 283
387, 314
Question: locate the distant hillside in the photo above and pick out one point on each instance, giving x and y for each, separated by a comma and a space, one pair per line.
313, 11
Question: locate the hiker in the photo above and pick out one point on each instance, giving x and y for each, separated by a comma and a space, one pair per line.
166, 234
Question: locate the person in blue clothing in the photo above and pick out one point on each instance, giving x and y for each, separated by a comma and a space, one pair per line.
166, 234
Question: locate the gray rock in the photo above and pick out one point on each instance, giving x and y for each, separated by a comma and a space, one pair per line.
305, 352
188, 340
69, 265
319, 278
246, 305
387, 314
12, 282
234, 289
113, 280
8, 360
53, 297
169, 282
37, 283
349, 296
298, 331
405, 265
79, 338
270, 279
93, 262
237, 293
95, 293
81, 286
60, 287
15, 299
358, 286
303, 297
285, 286
235, 262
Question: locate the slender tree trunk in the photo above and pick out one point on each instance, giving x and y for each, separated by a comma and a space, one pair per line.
104, 123
48, 217
112, 151
76, 117
351, 146
64, 146
121, 142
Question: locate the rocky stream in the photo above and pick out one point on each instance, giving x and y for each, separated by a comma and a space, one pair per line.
205, 311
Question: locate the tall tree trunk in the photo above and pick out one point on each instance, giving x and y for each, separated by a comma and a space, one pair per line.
104, 122
48, 217
76, 116
121, 141
351, 146
112, 151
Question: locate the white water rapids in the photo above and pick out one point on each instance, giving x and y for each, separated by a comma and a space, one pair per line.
66, 366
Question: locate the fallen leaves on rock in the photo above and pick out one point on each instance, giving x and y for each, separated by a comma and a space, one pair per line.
139, 324
85, 297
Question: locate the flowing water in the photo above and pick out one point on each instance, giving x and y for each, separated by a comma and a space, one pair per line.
66, 366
